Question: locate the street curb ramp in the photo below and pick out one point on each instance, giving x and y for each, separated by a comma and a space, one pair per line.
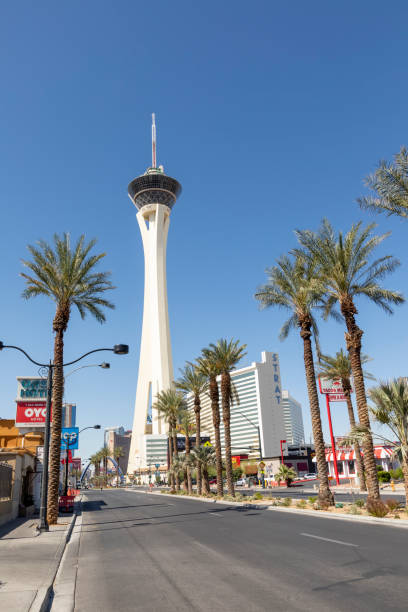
43, 598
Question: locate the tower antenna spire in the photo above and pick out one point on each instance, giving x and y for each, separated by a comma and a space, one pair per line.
154, 140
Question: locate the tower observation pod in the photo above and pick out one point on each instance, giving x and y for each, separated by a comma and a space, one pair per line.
154, 194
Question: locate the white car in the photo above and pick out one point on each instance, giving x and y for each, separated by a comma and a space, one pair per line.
241, 482
309, 476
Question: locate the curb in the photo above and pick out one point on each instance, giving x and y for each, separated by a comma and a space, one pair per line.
43, 598
388, 522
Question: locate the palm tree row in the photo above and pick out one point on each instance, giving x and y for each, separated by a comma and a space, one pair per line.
217, 360
329, 269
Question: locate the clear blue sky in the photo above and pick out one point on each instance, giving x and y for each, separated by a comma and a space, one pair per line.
269, 114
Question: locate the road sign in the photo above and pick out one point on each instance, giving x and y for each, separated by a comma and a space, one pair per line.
336, 397
208, 443
69, 437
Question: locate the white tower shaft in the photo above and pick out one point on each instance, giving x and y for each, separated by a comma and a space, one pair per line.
155, 365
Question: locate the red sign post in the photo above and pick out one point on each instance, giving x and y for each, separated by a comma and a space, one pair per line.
332, 389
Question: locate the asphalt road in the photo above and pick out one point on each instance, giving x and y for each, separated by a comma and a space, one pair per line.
144, 552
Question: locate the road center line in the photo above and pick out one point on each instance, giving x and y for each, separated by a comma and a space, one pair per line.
216, 514
309, 535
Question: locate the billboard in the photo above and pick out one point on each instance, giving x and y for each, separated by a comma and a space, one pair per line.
181, 442
328, 385
31, 414
33, 388
69, 438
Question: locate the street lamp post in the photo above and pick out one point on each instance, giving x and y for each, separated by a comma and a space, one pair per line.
118, 349
258, 429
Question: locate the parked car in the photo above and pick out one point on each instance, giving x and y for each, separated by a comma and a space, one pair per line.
213, 481
241, 482
309, 476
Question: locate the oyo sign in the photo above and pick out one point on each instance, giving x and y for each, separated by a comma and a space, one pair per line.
30, 414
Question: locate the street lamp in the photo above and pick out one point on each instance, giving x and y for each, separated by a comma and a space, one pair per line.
104, 366
71, 441
118, 349
258, 430
259, 442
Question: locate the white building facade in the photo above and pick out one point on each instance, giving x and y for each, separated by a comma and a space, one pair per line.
260, 405
293, 419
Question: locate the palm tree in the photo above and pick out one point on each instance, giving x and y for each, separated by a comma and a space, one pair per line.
294, 286
179, 465
170, 403
345, 270
118, 452
96, 462
68, 277
339, 367
390, 186
193, 381
104, 453
391, 408
186, 427
285, 474
227, 354
204, 456
207, 366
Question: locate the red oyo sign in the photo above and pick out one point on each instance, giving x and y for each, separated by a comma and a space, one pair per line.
30, 413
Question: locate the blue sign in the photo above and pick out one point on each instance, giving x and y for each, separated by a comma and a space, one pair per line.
69, 438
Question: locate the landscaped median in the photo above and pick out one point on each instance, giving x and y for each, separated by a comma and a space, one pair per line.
387, 512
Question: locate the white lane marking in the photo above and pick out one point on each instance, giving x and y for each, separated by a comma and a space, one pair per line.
216, 514
309, 535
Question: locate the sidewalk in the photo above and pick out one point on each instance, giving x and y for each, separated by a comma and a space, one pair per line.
28, 561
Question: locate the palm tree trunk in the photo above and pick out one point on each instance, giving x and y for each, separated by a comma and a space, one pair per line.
55, 446
175, 455
404, 464
197, 408
359, 459
215, 407
188, 468
353, 343
171, 460
206, 483
226, 417
325, 495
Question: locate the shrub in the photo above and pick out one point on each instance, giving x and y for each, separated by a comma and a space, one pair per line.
397, 474
301, 504
312, 500
287, 501
392, 504
383, 476
359, 503
377, 508
353, 509
258, 496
